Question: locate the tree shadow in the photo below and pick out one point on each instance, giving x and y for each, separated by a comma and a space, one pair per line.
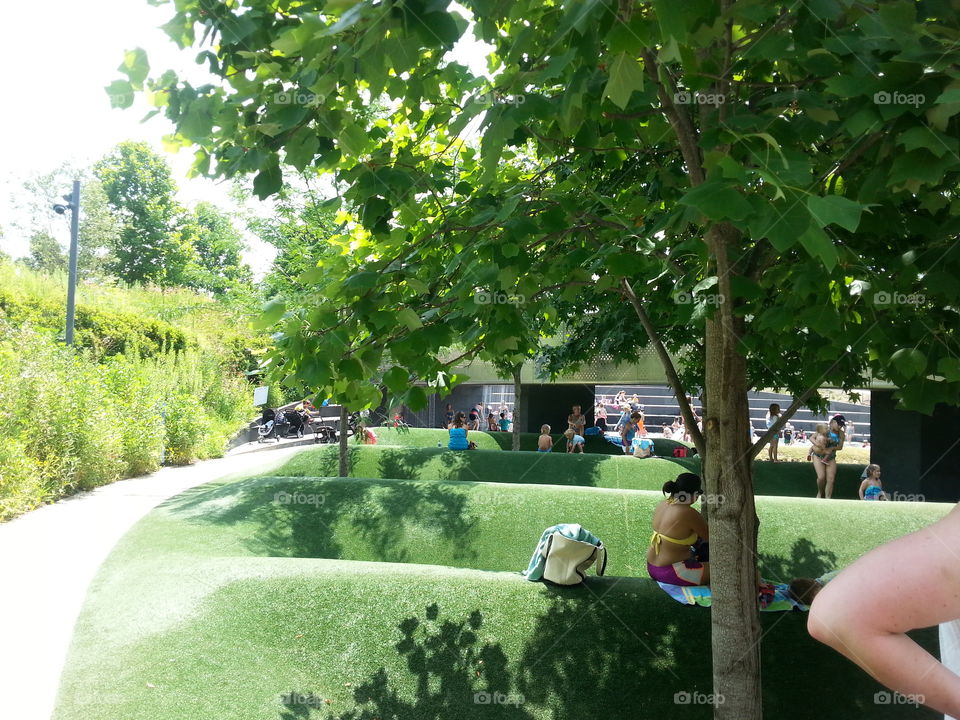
455, 676
299, 517
806, 560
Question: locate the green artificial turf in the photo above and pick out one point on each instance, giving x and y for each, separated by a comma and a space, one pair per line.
429, 437
401, 599
616, 471
310, 639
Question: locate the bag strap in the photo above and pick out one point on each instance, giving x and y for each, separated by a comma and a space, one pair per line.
601, 559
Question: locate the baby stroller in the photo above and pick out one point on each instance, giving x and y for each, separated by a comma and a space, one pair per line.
294, 423
274, 425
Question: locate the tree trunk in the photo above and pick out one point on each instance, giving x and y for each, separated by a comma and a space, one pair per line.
344, 448
727, 472
516, 407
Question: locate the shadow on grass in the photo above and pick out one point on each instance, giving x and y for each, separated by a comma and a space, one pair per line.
806, 560
605, 650
590, 658
299, 517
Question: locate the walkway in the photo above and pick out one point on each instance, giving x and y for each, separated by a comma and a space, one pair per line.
49, 556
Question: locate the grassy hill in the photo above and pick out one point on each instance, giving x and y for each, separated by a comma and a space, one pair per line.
151, 374
305, 597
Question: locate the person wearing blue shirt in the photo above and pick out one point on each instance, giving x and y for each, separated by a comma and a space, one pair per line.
458, 434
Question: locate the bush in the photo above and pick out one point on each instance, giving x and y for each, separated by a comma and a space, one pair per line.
103, 332
69, 423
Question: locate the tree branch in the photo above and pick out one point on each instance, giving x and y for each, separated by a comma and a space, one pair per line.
672, 378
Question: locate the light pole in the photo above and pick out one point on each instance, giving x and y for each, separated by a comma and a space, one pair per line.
73, 204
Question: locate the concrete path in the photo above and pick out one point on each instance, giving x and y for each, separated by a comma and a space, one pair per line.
49, 556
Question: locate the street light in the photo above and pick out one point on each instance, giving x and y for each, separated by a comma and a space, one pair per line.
73, 204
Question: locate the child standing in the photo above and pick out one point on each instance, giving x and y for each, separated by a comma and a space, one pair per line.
574, 442
504, 423
772, 417
544, 442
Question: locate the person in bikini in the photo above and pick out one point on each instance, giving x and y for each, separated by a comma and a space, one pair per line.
678, 553
823, 452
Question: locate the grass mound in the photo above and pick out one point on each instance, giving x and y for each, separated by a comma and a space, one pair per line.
429, 437
604, 471
353, 599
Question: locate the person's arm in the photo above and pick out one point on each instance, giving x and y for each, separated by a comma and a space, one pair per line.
839, 447
911, 582
863, 486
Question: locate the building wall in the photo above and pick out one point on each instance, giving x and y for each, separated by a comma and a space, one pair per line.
919, 454
551, 404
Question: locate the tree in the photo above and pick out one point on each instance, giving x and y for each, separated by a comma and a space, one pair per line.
688, 162
217, 264
46, 255
99, 229
141, 193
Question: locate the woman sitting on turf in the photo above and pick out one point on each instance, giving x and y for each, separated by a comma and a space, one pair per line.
678, 547
458, 433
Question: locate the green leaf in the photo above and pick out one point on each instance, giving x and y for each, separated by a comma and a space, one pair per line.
302, 148
121, 94
270, 314
351, 369
396, 379
910, 362
717, 201
836, 210
135, 66
819, 245
626, 75
408, 317
416, 398
361, 281
268, 181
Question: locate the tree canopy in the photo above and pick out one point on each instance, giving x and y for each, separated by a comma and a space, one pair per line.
770, 188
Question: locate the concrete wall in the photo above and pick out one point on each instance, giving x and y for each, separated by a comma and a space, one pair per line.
551, 404
919, 454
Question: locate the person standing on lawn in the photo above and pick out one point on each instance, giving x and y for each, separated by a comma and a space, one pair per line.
824, 451
772, 417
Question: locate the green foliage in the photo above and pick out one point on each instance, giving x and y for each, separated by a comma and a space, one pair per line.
141, 193
216, 264
46, 255
640, 135
103, 332
68, 423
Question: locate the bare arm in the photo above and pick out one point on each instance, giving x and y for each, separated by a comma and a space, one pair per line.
866, 610
863, 487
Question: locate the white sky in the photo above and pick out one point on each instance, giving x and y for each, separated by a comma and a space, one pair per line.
56, 109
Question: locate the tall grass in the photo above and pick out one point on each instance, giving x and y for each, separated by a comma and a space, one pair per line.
69, 423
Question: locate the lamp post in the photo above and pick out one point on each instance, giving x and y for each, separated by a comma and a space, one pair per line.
73, 204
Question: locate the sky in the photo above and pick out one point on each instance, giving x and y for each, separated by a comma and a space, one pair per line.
55, 108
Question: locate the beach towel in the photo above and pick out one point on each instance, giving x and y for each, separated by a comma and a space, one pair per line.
771, 597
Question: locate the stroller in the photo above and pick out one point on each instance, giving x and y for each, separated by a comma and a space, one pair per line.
273, 425
295, 422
